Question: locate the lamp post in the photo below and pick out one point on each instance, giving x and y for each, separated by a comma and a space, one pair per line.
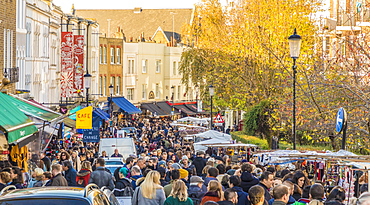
87, 82
173, 100
211, 93
196, 96
111, 99
295, 46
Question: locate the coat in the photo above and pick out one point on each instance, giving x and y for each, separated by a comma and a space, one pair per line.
210, 196
199, 164
242, 196
70, 176
248, 180
102, 178
175, 201
83, 174
138, 198
58, 180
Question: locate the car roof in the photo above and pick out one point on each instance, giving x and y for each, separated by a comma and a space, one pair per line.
46, 192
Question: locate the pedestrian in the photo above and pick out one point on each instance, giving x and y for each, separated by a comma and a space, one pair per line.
230, 197
212, 174
196, 189
175, 175
69, 173
247, 178
336, 197
256, 195
214, 192
317, 194
150, 192
235, 182
123, 186
4, 179
179, 195
266, 182
116, 154
58, 179
199, 162
281, 195
101, 177
83, 175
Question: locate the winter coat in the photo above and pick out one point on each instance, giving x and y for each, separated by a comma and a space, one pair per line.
248, 180
138, 198
242, 196
175, 201
208, 179
195, 191
199, 164
267, 193
58, 180
210, 196
70, 176
83, 174
121, 185
134, 179
102, 178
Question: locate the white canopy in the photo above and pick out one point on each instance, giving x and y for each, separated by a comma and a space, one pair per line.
213, 134
232, 145
202, 145
192, 120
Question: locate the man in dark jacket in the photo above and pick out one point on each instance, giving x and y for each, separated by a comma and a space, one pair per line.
69, 173
230, 196
212, 174
196, 189
101, 177
199, 162
266, 182
247, 178
58, 179
242, 196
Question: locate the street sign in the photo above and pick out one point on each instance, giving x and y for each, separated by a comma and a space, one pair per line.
341, 119
218, 119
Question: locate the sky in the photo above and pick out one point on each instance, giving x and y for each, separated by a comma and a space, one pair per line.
124, 4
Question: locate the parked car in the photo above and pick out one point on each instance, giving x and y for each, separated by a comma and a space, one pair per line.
113, 163
90, 195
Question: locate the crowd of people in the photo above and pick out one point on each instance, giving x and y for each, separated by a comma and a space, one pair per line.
168, 172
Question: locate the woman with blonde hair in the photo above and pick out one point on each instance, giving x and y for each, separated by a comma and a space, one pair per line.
83, 176
214, 192
150, 192
179, 195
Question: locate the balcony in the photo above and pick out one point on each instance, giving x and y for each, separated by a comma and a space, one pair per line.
12, 74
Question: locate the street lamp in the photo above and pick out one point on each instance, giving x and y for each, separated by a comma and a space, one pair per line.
211, 93
87, 82
173, 100
196, 96
295, 47
111, 99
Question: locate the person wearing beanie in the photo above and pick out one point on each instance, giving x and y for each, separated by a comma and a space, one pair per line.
183, 174
175, 166
196, 189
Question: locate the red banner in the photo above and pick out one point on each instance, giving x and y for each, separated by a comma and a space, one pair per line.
67, 68
78, 50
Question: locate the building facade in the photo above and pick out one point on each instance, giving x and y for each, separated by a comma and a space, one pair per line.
8, 32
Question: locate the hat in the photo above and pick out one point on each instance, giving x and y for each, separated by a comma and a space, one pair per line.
183, 173
184, 157
219, 158
162, 163
244, 160
176, 166
200, 152
211, 159
231, 172
196, 179
171, 150
124, 171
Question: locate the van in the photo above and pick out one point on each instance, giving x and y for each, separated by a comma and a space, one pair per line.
125, 146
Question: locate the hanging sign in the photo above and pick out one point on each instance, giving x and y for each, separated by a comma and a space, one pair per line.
84, 118
92, 135
78, 51
67, 68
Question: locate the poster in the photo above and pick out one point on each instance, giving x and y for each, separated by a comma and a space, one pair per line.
78, 51
67, 68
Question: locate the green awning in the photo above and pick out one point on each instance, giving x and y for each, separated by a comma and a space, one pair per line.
32, 109
12, 121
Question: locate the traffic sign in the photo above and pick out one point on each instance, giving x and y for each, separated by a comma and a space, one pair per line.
341, 119
218, 119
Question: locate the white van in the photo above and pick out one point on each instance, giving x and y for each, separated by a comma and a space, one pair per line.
125, 146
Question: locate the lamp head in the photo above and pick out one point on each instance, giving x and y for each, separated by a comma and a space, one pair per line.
294, 45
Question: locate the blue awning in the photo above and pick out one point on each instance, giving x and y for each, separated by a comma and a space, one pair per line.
100, 113
126, 105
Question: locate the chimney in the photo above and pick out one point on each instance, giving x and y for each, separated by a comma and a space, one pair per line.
131, 39
137, 10
118, 29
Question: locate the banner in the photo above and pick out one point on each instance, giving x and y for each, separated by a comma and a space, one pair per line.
84, 118
67, 68
92, 135
78, 50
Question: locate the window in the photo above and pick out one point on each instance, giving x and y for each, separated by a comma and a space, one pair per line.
105, 86
101, 85
157, 93
178, 92
28, 40
118, 85
112, 55
8, 45
104, 54
118, 53
130, 93
144, 65
143, 96
131, 67
112, 82
158, 66
174, 68
101, 54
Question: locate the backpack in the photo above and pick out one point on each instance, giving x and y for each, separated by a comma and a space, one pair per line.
196, 200
80, 181
123, 188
